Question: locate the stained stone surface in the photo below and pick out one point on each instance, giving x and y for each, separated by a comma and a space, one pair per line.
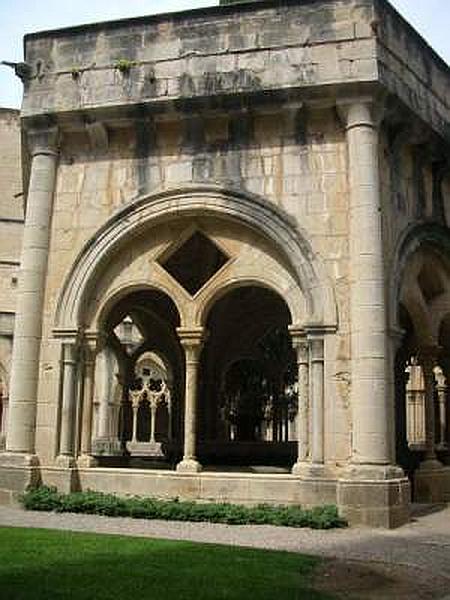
314, 164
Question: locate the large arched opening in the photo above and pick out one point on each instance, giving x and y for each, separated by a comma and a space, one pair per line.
422, 361
138, 413
176, 273
248, 382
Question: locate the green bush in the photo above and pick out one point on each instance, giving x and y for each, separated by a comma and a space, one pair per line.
97, 503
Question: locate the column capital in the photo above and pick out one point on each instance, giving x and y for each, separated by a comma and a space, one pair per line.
67, 336
92, 342
362, 111
43, 140
192, 338
297, 333
314, 331
299, 343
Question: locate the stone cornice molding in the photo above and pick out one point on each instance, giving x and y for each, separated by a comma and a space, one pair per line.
249, 209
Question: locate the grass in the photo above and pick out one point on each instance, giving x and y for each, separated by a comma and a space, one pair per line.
48, 499
39, 564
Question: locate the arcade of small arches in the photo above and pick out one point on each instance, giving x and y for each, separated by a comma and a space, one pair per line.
422, 364
195, 352
209, 351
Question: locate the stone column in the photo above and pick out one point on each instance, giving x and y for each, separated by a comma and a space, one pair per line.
191, 340
427, 359
105, 400
301, 347
89, 356
135, 403
70, 354
28, 323
372, 442
371, 489
430, 477
441, 389
317, 400
3, 425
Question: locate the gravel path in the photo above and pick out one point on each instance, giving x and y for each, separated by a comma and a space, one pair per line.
423, 544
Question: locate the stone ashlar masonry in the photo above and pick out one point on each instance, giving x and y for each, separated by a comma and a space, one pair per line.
327, 110
11, 224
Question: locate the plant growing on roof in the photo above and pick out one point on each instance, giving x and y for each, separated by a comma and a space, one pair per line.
124, 65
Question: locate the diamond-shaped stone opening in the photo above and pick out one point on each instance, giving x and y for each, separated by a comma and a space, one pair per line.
194, 262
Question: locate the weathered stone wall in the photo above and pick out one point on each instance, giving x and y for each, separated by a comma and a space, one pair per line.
294, 158
202, 54
415, 180
246, 103
410, 70
11, 223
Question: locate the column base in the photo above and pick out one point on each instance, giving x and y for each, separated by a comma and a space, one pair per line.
62, 477
307, 470
18, 472
107, 447
189, 465
65, 461
431, 481
86, 461
357, 471
374, 495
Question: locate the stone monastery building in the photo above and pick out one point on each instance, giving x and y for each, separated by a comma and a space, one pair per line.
234, 281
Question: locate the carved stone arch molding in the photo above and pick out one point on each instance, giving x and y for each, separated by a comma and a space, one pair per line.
415, 237
199, 200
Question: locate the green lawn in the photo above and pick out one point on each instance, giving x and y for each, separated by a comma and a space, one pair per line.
39, 564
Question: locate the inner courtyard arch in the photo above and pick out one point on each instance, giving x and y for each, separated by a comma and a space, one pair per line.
184, 303
248, 375
139, 408
421, 368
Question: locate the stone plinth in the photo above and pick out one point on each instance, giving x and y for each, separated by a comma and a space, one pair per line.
431, 482
17, 473
375, 503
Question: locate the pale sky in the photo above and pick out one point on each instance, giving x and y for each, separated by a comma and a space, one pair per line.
17, 17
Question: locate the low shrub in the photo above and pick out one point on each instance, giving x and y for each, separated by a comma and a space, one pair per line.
96, 503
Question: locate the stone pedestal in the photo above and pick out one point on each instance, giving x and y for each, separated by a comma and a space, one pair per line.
17, 473
64, 479
430, 482
374, 502
107, 447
